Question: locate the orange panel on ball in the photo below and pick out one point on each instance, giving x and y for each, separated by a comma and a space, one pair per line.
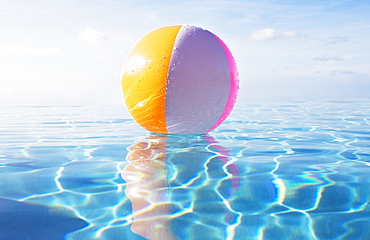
144, 78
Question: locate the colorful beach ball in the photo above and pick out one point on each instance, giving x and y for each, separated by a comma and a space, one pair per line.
180, 80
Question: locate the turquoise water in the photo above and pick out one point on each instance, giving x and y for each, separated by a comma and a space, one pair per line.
271, 171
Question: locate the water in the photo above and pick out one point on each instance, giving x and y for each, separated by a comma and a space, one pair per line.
271, 171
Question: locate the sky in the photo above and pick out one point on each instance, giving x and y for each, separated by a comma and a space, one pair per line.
71, 52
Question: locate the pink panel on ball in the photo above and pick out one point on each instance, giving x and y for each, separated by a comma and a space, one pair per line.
234, 85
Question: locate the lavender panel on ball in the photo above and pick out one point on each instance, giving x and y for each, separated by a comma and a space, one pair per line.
198, 82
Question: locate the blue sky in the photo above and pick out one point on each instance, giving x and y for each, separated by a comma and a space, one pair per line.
71, 52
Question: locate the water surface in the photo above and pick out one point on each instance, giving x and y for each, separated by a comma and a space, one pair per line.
271, 171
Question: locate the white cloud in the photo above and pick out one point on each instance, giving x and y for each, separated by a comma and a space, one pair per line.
270, 33
337, 39
331, 40
328, 59
24, 50
342, 72
94, 37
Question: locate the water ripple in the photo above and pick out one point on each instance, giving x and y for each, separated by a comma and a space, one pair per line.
273, 171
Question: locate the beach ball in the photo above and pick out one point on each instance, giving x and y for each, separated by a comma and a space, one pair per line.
180, 80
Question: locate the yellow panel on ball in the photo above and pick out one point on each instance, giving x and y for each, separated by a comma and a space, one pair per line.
144, 78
